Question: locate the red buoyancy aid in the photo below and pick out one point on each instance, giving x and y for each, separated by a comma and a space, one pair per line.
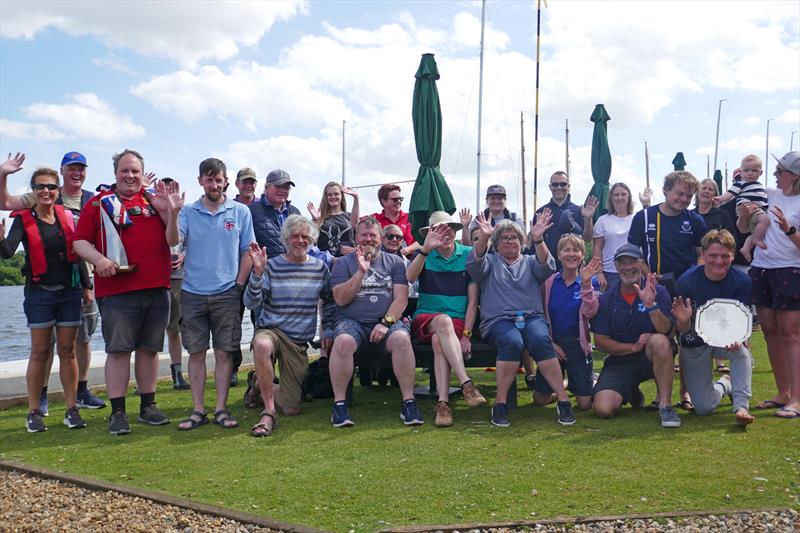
36, 254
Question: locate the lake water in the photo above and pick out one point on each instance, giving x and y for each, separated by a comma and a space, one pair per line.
15, 337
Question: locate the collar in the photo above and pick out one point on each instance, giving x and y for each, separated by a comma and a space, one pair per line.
224, 206
286, 204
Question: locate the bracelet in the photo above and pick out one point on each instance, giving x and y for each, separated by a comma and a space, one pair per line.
423, 253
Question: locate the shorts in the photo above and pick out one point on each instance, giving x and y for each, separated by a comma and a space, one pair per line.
361, 332
134, 320
510, 342
292, 364
423, 319
578, 368
623, 374
775, 288
174, 325
90, 315
45, 309
216, 316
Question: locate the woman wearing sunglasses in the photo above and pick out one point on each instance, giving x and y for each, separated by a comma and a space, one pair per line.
53, 279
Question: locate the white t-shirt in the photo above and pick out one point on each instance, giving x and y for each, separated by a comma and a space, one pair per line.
614, 231
781, 251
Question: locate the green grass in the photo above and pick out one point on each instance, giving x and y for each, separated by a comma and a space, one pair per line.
382, 474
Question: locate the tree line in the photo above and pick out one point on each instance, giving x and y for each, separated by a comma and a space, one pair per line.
10, 270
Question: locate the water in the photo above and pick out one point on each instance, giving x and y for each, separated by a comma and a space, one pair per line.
15, 337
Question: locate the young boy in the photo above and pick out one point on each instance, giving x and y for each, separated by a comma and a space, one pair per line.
750, 190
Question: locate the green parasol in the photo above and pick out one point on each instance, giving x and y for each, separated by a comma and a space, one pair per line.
679, 162
718, 180
431, 192
601, 158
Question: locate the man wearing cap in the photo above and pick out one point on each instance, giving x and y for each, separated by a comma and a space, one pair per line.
73, 197
246, 183
271, 211
632, 326
495, 212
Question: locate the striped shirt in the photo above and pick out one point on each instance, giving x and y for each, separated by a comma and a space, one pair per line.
287, 294
443, 283
751, 191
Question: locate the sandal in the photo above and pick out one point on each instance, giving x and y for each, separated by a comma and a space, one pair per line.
723, 369
224, 419
264, 430
195, 420
787, 412
686, 405
769, 404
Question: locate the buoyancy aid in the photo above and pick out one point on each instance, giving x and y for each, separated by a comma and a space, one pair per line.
36, 253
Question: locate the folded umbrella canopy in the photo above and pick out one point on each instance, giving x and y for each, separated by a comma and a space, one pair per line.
601, 158
431, 192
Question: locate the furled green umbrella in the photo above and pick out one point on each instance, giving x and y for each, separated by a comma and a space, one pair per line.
601, 158
431, 192
718, 180
679, 162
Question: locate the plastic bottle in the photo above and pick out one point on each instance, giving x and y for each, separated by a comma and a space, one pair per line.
519, 322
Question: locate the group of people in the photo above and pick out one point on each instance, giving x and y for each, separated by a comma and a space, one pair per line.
193, 269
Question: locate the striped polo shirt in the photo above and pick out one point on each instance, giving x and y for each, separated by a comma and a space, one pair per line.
443, 283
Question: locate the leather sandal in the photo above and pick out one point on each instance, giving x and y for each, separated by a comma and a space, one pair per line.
224, 419
195, 420
264, 430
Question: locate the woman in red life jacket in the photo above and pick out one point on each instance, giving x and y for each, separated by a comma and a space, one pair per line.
54, 278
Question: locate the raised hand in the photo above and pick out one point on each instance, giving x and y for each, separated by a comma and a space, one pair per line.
715, 201
647, 295
465, 216
589, 208
12, 164
682, 309
350, 192
148, 178
485, 226
258, 256
313, 211
435, 237
645, 196
780, 218
362, 261
594, 267
543, 223
175, 198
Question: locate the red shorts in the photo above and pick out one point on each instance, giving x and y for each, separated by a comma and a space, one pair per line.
420, 321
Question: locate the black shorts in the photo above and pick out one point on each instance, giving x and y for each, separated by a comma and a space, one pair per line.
775, 288
623, 374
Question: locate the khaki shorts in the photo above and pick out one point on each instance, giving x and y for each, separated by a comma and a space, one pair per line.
292, 365
174, 325
216, 317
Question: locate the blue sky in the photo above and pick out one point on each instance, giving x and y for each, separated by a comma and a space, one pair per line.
267, 85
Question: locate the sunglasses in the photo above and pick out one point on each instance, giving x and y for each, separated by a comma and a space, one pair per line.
393, 237
397, 199
557, 184
48, 186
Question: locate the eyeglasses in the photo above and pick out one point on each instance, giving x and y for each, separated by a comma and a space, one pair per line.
48, 186
559, 184
393, 237
396, 199
510, 238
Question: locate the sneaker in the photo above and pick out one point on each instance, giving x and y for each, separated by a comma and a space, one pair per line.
152, 415
409, 413
725, 383
444, 415
73, 420
87, 400
472, 395
566, 416
529, 380
340, 418
35, 423
118, 423
669, 417
637, 398
44, 404
500, 415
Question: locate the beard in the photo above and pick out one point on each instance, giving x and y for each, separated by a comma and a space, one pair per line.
369, 250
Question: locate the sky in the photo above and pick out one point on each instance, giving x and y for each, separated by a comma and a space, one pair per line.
269, 84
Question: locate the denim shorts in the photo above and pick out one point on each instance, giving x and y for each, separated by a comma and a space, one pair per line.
45, 309
578, 367
510, 341
135, 320
361, 332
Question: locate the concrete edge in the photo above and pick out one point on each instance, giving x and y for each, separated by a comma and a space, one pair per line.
158, 497
576, 520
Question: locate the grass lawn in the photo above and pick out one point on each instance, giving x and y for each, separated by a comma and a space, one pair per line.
382, 474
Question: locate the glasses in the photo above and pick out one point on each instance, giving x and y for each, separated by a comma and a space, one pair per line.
48, 186
396, 199
393, 237
510, 238
559, 184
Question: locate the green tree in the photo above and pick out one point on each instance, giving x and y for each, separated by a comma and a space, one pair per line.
10, 273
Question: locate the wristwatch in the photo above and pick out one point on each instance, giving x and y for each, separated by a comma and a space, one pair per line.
792, 231
388, 320
467, 333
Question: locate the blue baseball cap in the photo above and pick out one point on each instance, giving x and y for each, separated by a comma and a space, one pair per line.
74, 158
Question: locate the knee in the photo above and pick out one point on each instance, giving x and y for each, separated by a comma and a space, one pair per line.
659, 346
399, 340
262, 348
442, 324
602, 410
66, 351
584, 402
343, 344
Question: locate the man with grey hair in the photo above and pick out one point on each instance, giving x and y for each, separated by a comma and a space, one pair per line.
271, 211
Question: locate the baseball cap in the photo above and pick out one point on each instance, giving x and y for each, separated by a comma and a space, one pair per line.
246, 173
74, 158
790, 161
628, 250
496, 189
279, 177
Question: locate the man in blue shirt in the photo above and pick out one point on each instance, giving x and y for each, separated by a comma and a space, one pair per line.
216, 233
701, 283
633, 326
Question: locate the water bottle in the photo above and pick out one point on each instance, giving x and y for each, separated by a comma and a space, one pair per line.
519, 321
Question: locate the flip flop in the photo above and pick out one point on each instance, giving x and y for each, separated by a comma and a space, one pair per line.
194, 423
788, 412
263, 430
769, 404
743, 418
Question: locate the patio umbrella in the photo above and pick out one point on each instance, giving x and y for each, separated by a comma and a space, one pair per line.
679, 162
718, 180
601, 158
431, 192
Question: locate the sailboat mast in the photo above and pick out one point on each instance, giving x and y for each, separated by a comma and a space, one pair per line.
522, 160
480, 112
646, 165
566, 144
536, 116
343, 125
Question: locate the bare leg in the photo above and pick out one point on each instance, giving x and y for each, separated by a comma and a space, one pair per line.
341, 365
789, 332
146, 369
197, 376
265, 373
118, 374
83, 353
37, 365
222, 376
442, 325
403, 362
175, 348
760, 231
776, 351
659, 351
551, 372
68, 365
606, 403
506, 373
441, 369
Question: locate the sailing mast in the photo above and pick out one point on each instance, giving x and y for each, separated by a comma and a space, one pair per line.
343, 124
566, 144
522, 159
646, 165
480, 112
536, 118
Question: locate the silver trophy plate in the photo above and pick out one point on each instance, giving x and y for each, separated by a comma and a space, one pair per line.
721, 322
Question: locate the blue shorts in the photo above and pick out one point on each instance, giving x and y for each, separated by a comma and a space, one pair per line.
510, 341
361, 332
578, 367
45, 309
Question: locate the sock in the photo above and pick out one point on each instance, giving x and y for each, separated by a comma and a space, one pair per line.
82, 386
147, 399
117, 404
178, 367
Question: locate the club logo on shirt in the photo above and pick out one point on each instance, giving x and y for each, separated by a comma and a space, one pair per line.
651, 226
642, 308
229, 224
686, 227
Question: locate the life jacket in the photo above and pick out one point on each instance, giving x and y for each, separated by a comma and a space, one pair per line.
36, 254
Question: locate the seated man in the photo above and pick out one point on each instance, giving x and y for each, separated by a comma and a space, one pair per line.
713, 279
512, 315
633, 326
446, 309
286, 288
371, 292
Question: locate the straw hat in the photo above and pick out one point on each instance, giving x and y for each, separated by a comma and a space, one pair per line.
440, 217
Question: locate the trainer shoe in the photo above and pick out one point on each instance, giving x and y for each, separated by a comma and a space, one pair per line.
73, 420
87, 400
529, 381
566, 416
410, 414
669, 417
44, 404
340, 418
35, 422
444, 415
472, 395
500, 415
118, 423
152, 415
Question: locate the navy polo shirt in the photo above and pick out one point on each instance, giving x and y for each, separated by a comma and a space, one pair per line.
567, 218
625, 323
564, 306
668, 243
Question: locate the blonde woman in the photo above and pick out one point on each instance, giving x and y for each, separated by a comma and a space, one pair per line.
334, 222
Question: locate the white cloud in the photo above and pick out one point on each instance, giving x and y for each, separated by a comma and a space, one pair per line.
751, 121
744, 144
791, 116
28, 131
187, 32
